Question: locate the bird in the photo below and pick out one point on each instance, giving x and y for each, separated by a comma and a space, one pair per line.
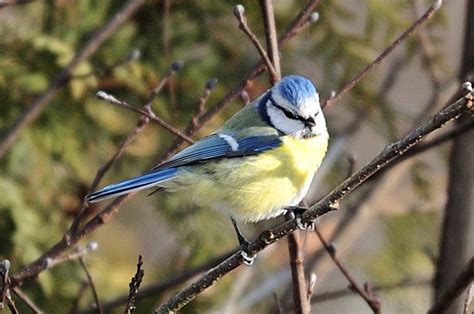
258, 164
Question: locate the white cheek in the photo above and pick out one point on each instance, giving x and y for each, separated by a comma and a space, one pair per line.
282, 123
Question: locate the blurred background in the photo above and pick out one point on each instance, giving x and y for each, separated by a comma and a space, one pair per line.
388, 232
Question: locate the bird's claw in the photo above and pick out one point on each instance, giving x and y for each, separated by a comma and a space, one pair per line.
304, 226
244, 243
296, 212
248, 259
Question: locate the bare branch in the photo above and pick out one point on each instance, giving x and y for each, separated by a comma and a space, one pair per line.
134, 285
161, 287
336, 294
90, 280
428, 14
40, 103
26, 300
5, 3
210, 85
300, 290
372, 301
460, 284
271, 38
239, 12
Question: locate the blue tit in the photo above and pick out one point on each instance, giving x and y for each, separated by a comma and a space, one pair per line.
261, 161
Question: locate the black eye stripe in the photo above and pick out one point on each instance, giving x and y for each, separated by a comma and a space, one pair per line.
290, 115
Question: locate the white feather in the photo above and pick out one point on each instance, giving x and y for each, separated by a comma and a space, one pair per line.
230, 140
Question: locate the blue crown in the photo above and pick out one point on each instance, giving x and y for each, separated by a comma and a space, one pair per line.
296, 89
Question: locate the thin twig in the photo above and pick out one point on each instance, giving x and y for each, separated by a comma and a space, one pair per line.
271, 38
134, 285
210, 85
146, 112
75, 304
161, 287
278, 303
141, 124
427, 50
73, 235
90, 280
428, 14
337, 294
5, 296
267, 237
134, 55
468, 299
26, 300
462, 281
373, 302
239, 13
300, 290
5, 3
40, 103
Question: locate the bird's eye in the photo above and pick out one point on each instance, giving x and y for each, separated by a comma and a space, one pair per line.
289, 114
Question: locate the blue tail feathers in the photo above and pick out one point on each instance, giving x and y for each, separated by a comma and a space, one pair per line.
131, 185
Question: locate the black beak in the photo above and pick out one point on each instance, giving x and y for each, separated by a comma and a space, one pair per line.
310, 122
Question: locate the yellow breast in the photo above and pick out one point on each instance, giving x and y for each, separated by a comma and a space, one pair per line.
258, 187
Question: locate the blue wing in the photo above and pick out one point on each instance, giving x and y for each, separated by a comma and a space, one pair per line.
219, 145
134, 184
212, 147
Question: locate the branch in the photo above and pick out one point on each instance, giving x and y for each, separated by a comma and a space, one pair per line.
90, 280
239, 12
336, 294
40, 103
161, 287
460, 284
134, 285
366, 294
26, 300
271, 38
300, 291
267, 237
74, 234
428, 14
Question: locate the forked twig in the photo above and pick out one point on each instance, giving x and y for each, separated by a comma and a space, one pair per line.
239, 13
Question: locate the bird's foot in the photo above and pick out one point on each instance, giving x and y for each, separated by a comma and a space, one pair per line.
296, 212
244, 243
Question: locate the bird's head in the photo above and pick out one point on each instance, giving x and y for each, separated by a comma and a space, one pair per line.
292, 107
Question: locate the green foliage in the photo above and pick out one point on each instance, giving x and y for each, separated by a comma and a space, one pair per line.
409, 240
